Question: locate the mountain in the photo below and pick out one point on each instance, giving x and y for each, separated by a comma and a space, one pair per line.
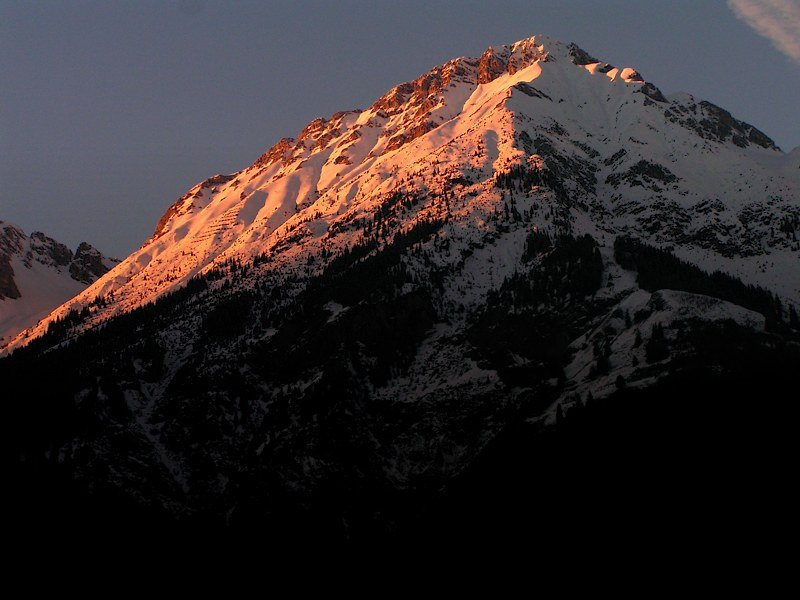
675, 170
435, 311
37, 274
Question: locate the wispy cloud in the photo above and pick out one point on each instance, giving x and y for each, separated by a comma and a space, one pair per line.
777, 20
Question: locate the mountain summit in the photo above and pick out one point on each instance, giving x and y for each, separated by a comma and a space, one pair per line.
391, 306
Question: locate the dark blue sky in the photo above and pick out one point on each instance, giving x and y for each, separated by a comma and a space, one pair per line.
111, 110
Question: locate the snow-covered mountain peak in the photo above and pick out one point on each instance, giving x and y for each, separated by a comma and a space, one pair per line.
594, 148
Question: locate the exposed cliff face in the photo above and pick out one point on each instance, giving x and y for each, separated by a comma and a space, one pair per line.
11, 243
46, 251
714, 123
8, 287
88, 264
12, 239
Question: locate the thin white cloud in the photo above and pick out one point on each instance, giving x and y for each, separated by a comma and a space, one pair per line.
776, 20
